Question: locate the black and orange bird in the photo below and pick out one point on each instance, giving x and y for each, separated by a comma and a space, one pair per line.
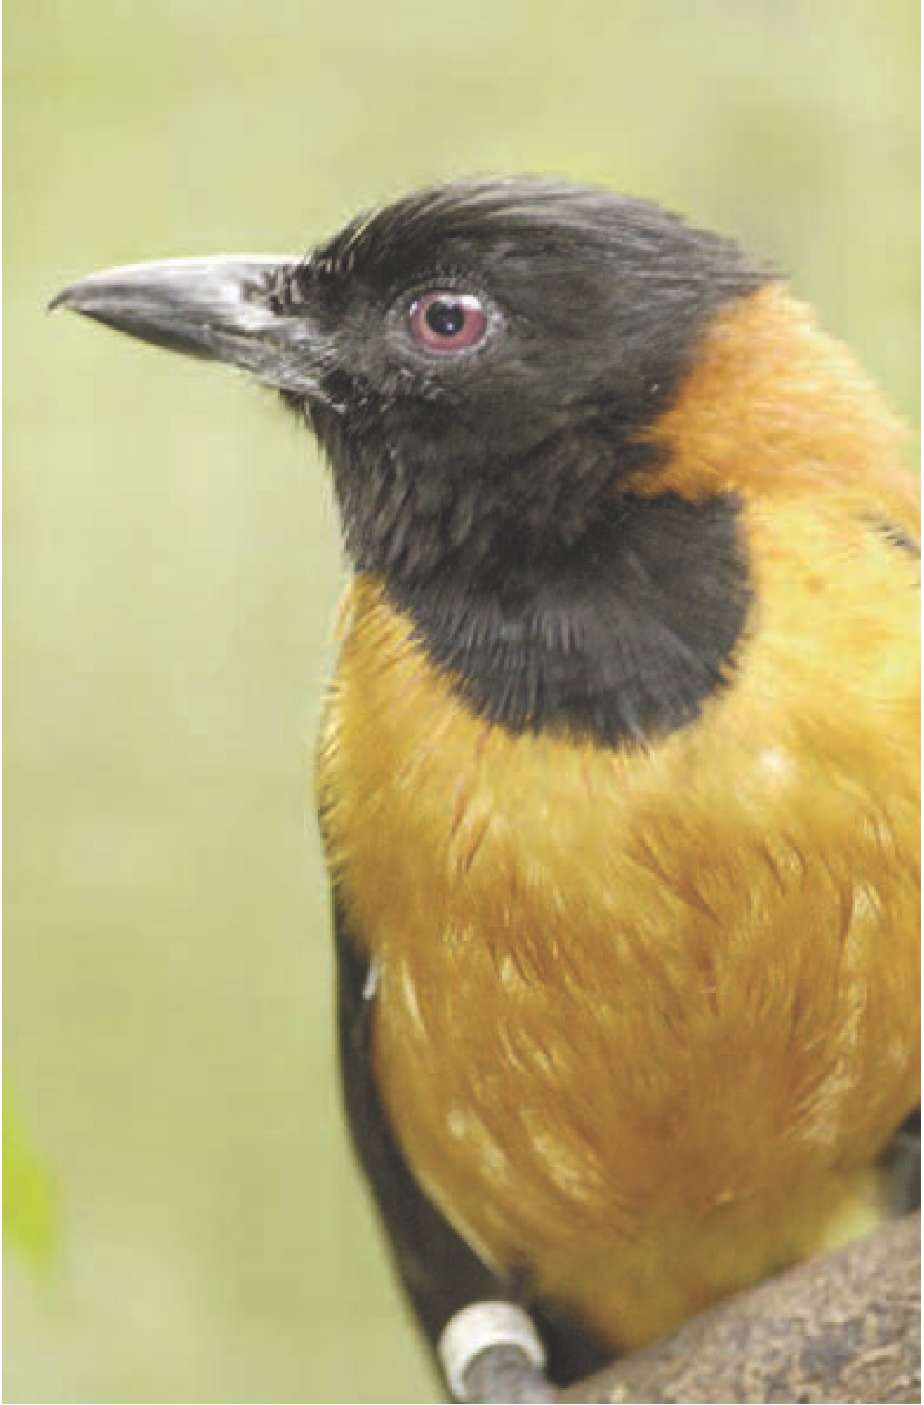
617, 775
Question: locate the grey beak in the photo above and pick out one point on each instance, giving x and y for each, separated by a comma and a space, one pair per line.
224, 308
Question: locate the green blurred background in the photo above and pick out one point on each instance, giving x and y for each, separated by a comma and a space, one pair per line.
186, 1222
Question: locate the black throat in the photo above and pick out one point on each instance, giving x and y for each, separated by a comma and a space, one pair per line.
619, 640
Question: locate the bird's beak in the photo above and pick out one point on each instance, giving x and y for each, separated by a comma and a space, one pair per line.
224, 308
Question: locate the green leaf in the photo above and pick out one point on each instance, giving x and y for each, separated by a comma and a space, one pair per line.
29, 1215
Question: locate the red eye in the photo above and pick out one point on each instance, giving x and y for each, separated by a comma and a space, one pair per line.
446, 321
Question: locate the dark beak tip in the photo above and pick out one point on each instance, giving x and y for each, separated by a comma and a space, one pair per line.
69, 299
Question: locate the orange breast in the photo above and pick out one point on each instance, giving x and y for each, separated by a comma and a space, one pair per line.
645, 1019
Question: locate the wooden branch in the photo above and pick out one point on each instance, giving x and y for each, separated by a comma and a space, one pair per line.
843, 1328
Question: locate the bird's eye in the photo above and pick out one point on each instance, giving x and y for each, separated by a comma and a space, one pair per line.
444, 321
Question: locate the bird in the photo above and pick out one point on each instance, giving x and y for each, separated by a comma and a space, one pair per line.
617, 775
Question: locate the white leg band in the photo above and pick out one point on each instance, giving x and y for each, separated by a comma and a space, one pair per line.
479, 1326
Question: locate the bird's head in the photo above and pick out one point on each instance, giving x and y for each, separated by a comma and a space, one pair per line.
479, 360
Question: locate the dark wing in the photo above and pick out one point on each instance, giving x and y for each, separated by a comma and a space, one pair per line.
440, 1272
902, 1166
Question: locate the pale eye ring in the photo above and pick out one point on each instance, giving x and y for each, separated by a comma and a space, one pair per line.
445, 321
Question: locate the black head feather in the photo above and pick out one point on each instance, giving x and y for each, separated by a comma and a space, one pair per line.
596, 303
479, 361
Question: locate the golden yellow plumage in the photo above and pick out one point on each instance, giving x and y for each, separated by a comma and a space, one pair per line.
647, 1017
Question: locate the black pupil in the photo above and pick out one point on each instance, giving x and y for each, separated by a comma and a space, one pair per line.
446, 319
